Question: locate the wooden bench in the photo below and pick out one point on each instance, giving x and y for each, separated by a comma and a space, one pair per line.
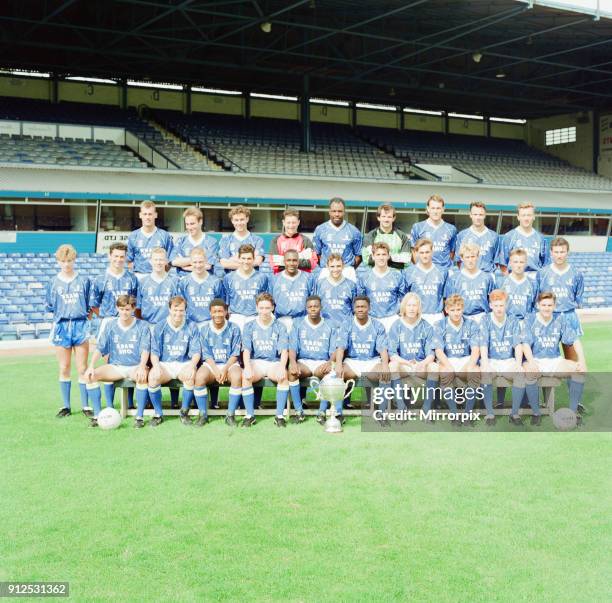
548, 386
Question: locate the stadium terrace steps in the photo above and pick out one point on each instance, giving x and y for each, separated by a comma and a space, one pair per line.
491, 160
23, 278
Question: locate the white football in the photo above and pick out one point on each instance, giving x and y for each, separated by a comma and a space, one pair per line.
564, 419
109, 418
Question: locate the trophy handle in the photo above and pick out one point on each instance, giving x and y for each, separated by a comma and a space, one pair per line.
350, 391
314, 381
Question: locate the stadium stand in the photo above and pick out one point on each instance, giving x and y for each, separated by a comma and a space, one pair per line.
57, 151
174, 150
273, 146
23, 278
491, 160
213, 142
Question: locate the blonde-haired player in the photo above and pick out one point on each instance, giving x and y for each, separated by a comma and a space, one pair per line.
471, 283
412, 347
68, 295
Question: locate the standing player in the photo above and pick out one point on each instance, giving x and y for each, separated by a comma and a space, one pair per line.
337, 292
486, 239
526, 237
544, 331
440, 233
412, 348
501, 353
231, 243
290, 288
457, 348
195, 238
428, 281
265, 351
383, 286
290, 238
142, 241
338, 236
567, 283
114, 282
175, 354
312, 344
105, 291
199, 287
67, 298
471, 283
127, 343
397, 240
364, 342
242, 287
220, 342
156, 289
522, 291
154, 292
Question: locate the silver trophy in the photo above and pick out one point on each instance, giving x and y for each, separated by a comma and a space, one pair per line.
332, 389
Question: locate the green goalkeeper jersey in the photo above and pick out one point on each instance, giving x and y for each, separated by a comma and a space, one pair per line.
398, 242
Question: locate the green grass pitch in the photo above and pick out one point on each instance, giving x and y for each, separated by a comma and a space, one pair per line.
178, 514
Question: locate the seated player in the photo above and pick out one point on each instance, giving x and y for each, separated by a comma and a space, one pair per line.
127, 343
426, 280
471, 283
242, 287
312, 343
175, 354
199, 288
156, 289
67, 297
364, 342
384, 286
501, 352
265, 353
220, 342
543, 333
105, 290
567, 283
229, 247
412, 348
522, 291
457, 348
397, 240
195, 238
337, 292
290, 238
290, 288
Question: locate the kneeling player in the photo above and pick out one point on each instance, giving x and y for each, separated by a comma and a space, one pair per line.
312, 344
220, 342
265, 353
544, 331
127, 342
457, 348
365, 344
175, 354
412, 349
501, 353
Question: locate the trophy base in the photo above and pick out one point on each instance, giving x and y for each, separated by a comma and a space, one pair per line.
333, 425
